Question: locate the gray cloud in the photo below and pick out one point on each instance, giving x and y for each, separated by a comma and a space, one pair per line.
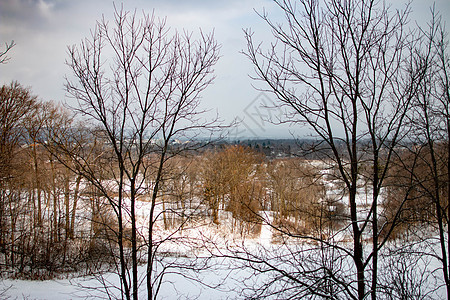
30, 13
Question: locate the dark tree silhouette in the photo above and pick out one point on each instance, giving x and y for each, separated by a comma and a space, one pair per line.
139, 83
343, 69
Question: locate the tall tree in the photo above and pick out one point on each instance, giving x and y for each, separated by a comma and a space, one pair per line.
340, 68
139, 82
428, 158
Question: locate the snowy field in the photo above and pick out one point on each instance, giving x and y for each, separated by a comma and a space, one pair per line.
177, 287
222, 279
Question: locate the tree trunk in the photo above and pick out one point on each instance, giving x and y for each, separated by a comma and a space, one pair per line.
120, 237
448, 201
55, 234
37, 186
74, 208
67, 203
133, 238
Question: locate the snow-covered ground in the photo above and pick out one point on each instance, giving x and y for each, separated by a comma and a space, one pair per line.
176, 287
222, 281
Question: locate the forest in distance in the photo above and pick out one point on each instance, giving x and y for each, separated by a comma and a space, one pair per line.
133, 182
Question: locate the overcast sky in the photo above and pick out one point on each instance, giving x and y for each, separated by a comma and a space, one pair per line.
42, 30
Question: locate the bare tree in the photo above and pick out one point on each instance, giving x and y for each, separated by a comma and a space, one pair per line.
139, 83
428, 150
341, 68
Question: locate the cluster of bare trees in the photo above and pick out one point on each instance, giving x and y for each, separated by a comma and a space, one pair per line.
37, 207
232, 183
245, 184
